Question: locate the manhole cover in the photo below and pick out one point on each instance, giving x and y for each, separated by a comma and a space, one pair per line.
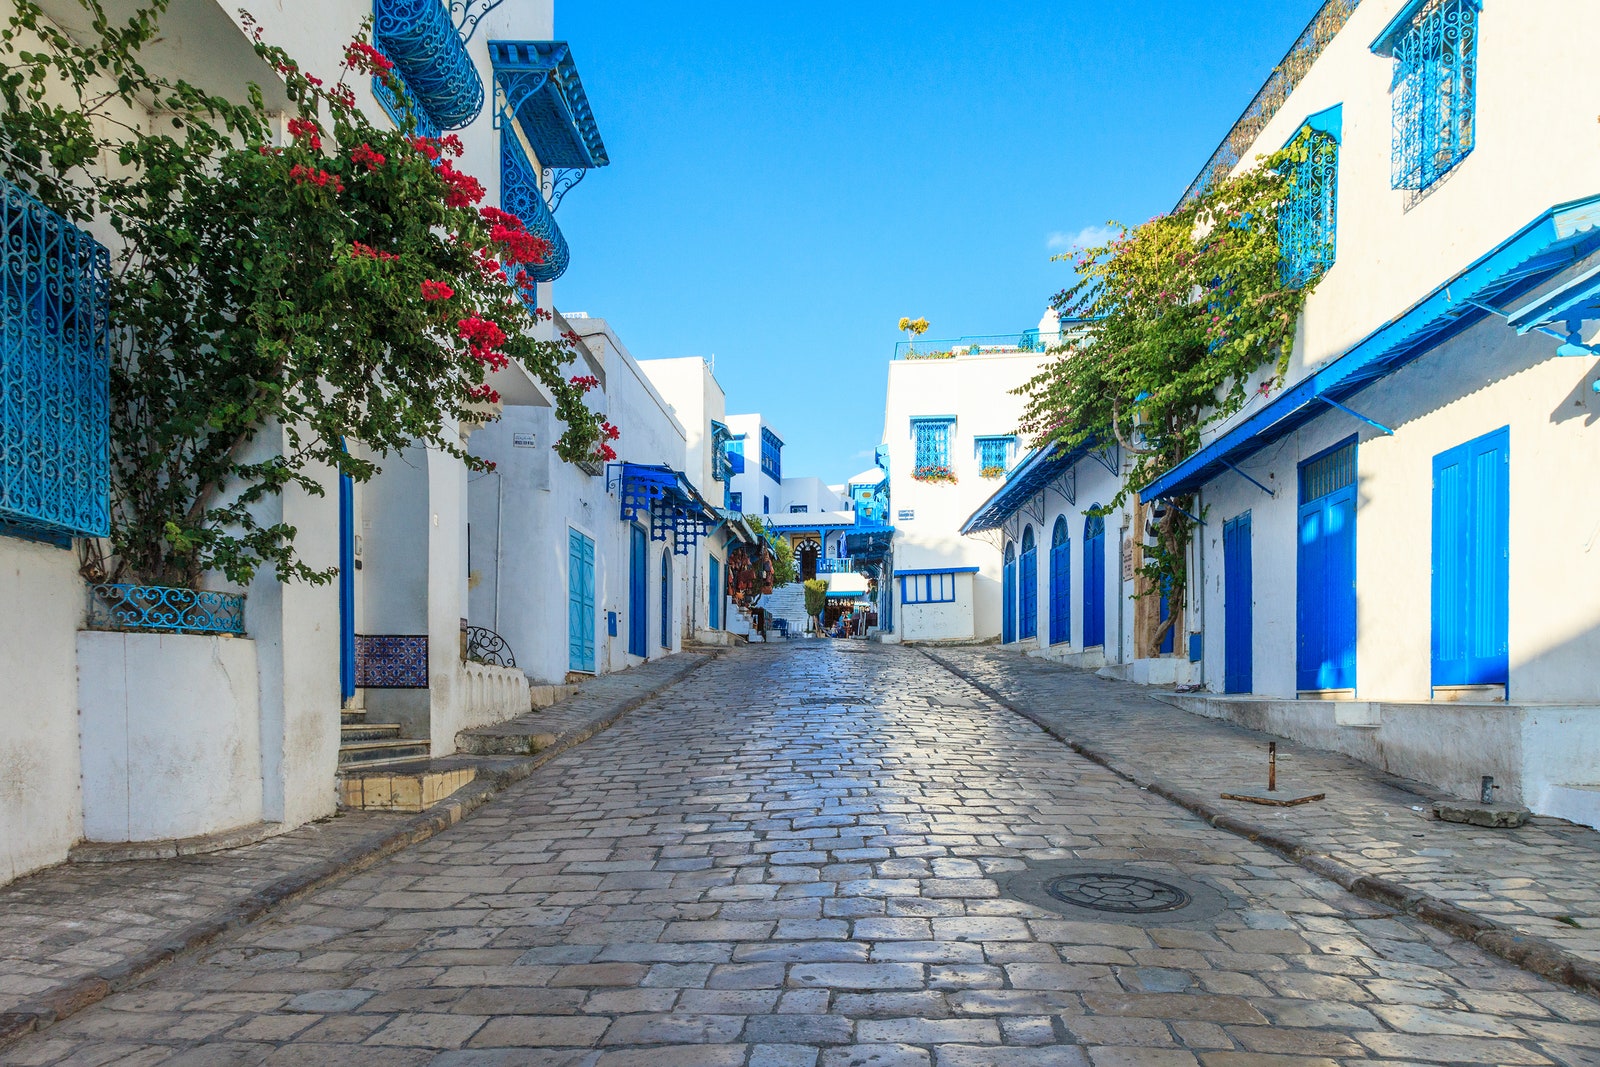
1097, 891
1106, 891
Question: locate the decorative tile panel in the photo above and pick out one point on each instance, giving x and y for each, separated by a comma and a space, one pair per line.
391, 661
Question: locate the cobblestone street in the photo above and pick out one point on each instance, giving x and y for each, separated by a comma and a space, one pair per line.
808, 855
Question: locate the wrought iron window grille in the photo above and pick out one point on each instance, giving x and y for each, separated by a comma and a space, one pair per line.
1434, 92
489, 648
160, 609
521, 195
427, 48
1308, 219
392, 106
721, 463
55, 357
771, 455
994, 452
932, 437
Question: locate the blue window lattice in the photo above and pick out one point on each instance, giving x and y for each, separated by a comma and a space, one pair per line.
1434, 92
994, 452
1308, 220
154, 607
520, 195
721, 465
423, 43
391, 104
55, 356
736, 502
932, 437
771, 455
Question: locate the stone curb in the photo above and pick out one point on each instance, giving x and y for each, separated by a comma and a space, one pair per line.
69, 998
1528, 951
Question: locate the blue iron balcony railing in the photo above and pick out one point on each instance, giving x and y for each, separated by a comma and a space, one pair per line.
998, 344
835, 566
521, 196
425, 44
165, 610
55, 358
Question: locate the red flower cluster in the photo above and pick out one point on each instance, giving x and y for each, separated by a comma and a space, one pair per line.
484, 339
425, 148
611, 432
485, 392
305, 130
368, 157
518, 244
360, 55
342, 95
432, 290
585, 382
605, 452
541, 315
452, 144
464, 190
303, 174
361, 251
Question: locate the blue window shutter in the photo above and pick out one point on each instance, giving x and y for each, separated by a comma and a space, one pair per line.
1060, 584
1471, 562
1326, 571
638, 583
1238, 606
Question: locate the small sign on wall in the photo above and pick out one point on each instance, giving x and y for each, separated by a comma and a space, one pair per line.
905, 515
523, 440
1127, 561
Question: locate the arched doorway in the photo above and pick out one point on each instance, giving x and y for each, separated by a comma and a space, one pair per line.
1094, 580
1028, 584
1060, 583
1008, 596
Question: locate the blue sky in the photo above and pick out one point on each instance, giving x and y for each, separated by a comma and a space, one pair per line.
786, 181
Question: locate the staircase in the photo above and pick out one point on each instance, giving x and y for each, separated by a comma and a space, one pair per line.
364, 745
789, 602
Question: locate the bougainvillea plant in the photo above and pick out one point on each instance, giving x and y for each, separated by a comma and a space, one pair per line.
1178, 316
277, 291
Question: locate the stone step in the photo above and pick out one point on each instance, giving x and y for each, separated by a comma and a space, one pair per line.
409, 785
352, 716
367, 731
376, 753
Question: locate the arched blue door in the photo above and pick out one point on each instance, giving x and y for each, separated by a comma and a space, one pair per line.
1094, 580
1060, 584
1028, 581
1008, 596
666, 598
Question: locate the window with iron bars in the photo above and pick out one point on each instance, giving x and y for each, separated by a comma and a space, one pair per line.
994, 452
1434, 92
736, 502
1307, 222
932, 436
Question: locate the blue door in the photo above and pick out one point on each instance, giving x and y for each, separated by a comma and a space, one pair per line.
638, 584
1238, 603
1094, 580
1028, 580
1167, 639
1326, 570
1472, 561
1060, 584
580, 602
1008, 597
347, 589
666, 598
716, 593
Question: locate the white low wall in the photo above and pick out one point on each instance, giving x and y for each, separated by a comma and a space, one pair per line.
492, 694
170, 735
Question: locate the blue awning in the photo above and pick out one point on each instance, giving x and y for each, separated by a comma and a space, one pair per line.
1037, 470
1563, 307
542, 89
664, 500
1555, 241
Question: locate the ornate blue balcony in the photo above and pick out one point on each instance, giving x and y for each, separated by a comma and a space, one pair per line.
543, 92
419, 36
521, 196
55, 357
165, 610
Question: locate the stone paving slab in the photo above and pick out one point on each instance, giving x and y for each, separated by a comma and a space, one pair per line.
1531, 894
72, 934
800, 861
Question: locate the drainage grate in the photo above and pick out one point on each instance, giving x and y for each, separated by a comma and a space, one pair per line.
1125, 893
1103, 892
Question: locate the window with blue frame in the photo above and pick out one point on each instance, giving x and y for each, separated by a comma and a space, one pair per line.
771, 455
799, 509
55, 357
736, 502
932, 436
994, 453
928, 589
1307, 221
1434, 44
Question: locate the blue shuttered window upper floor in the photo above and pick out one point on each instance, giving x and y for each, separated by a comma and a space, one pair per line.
55, 355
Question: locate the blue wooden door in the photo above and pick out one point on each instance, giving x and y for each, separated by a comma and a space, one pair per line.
1238, 607
347, 589
638, 584
1472, 561
716, 593
1168, 640
666, 598
580, 602
1094, 580
1326, 571
1028, 582
1008, 597
1060, 584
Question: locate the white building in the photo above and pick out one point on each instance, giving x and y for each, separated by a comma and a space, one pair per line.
950, 433
757, 452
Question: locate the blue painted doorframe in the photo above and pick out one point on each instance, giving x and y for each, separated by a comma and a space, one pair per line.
1028, 587
1472, 562
347, 589
1326, 571
1094, 580
1008, 597
1060, 584
715, 593
638, 584
580, 602
1238, 607
666, 598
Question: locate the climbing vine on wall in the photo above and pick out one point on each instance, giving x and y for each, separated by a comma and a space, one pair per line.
320, 281
1179, 316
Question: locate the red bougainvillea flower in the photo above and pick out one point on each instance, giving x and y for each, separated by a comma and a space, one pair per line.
517, 244
306, 132
494, 214
304, 175
463, 190
452, 144
361, 251
585, 382
432, 290
425, 147
541, 315
611, 432
359, 55
342, 95
484, 339
368, 157
606, 452
485, 392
